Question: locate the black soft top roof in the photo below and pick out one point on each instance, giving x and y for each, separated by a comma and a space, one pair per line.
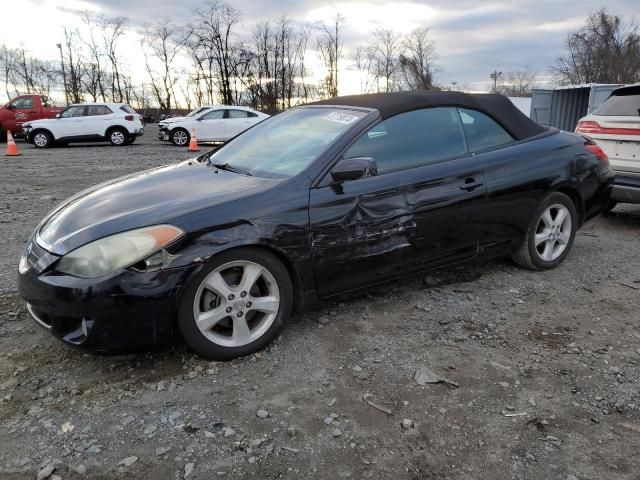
498, 107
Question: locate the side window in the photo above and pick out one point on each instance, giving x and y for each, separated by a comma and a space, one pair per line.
213, 115
93, 110
237, 114
73, 112
482, 132
127, 108
22, 103
412, 139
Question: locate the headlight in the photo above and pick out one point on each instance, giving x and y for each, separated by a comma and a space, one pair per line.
117, 251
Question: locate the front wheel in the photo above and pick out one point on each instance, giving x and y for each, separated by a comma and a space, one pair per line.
42, 139
550, 235
236, 305
180, 137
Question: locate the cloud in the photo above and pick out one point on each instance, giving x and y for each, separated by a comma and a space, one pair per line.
473, 38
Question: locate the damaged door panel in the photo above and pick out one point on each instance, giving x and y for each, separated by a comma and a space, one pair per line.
369, 230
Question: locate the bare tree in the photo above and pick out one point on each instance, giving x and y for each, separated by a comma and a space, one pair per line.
363, 62
75, 65
605, 50
8, 60
112, 29
162, 42
386, 51
211, 44
95, 79
516, 83
329, 48
418, 61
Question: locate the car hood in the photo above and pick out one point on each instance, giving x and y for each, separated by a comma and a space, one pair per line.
151, 197
167, 121
42, 121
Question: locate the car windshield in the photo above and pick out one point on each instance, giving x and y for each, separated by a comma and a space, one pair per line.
197, 111
620, 105
284, 145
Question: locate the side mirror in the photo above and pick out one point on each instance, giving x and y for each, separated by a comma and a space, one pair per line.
11, 107
354, 168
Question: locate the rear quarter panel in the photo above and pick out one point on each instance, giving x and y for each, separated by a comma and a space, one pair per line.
520, 176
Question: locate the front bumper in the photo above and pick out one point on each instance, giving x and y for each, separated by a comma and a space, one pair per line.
626, 188
120, 312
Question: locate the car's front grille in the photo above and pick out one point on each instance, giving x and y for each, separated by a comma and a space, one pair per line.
33, 253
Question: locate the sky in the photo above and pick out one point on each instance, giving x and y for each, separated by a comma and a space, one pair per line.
473, 38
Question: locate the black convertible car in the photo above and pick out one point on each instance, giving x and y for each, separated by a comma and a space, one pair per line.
320, 200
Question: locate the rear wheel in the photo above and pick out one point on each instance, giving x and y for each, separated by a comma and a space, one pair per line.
118, 137
180, 137
3, 136
42, 139
550, 235
237, 305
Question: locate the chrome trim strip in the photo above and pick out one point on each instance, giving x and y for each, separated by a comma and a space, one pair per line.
37, 319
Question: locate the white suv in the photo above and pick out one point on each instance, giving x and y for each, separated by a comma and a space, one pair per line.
211, 124
615, 126
117, 123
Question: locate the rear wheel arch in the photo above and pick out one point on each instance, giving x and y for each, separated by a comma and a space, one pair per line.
575, 197
118, 128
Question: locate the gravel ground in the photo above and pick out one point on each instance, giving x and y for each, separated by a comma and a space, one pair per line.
538, 373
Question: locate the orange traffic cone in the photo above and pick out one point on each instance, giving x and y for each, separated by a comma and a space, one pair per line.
12, 148
193, 143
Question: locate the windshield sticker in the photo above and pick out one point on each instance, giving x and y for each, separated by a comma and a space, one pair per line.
338, 117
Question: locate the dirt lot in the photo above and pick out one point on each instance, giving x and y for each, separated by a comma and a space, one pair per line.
540, 371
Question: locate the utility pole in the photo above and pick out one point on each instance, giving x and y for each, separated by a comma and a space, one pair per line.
494, 76
64, 75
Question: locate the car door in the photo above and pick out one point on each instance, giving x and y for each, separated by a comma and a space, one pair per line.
98, 118
70, 122
424, 208
211, 126
238, 121
23, 110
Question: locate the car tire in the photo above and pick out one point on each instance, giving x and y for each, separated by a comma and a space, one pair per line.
219, 319
3, 136
42, 139
118, 137
550, 235
180, 137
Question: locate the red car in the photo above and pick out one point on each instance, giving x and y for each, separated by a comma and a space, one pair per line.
24, 108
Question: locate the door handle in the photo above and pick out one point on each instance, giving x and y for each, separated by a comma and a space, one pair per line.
470, 184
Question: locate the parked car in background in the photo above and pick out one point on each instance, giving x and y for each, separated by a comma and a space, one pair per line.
211, 124
116, 123
314, 202
24, 108
615, 127
166, 120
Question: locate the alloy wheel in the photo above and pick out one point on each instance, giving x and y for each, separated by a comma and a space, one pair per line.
553, 232
117, 137
236, 303
180, 137
40, 140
